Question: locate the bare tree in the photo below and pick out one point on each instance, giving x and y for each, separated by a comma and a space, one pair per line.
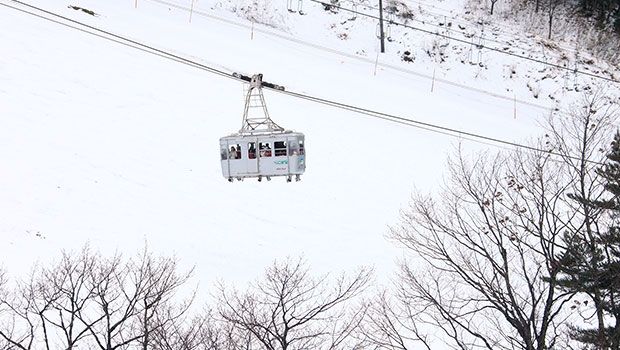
553, 6
489, 248
95, 302
157, 306
59, 294
493, 6
48, 310
21, 317
127, 298
388, 325
289, 309
17, 329
184, 334
202, 332
3, 311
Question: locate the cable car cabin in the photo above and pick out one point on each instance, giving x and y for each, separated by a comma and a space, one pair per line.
261, 148
266, 155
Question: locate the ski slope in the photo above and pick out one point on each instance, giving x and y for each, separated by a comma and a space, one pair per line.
105, 145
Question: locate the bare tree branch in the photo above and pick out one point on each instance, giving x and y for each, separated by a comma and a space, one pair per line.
289, 309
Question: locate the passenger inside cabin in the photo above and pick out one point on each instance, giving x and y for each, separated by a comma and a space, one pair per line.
252, 151
294, 149
232, 154
265, 150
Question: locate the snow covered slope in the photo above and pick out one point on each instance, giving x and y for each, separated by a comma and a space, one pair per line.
104, 144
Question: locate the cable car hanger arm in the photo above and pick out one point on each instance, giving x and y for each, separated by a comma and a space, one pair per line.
262, 83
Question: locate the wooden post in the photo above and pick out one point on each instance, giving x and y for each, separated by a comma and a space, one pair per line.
381, 25
433, 83
576, 69
515, 107
376, 63
191, 10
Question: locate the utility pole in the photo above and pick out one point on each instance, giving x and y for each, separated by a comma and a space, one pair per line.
381, 25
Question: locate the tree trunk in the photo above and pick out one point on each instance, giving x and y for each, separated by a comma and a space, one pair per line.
550, 23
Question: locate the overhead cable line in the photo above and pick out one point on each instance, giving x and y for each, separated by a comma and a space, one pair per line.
114, 37
482, 46
445, 27
358, 57
385, 116
509, 35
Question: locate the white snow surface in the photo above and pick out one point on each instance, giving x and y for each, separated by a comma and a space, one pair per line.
105, 145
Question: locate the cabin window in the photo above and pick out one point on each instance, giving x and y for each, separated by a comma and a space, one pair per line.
301, 147
234, 152
279, 148
224, 152
264, 149
252, 150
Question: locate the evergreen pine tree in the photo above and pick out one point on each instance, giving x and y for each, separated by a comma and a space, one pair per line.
591, 265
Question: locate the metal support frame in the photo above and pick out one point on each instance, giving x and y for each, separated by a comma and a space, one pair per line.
254, 100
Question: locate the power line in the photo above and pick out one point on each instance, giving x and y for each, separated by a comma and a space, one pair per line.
452, 19
357, 57
482, 46
369, 6
385, 116
447, 28
334, 51
480, 36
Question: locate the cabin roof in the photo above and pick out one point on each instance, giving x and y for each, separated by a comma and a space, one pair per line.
269, 135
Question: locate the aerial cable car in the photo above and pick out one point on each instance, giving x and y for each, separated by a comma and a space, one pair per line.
261, 148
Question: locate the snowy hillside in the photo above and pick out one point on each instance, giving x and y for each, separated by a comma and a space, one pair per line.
107, 145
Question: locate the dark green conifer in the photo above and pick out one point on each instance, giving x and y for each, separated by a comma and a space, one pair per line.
591, 264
